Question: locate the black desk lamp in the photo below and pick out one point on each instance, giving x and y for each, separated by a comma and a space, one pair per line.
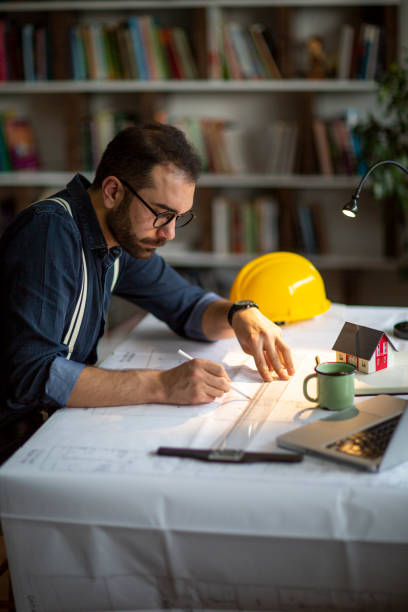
351, 209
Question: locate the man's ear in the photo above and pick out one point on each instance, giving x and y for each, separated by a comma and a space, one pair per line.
112, 192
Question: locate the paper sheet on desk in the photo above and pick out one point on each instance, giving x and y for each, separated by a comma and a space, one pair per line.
203, 432
393, 380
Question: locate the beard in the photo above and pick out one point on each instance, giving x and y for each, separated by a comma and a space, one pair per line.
118, 221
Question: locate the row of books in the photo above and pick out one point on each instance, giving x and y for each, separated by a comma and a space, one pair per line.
263, 224
137, 48
228, 148
248, 52
25, 52
18, 149
359, 55
338, 147
224, 147
220, 144
96, 130
250, 226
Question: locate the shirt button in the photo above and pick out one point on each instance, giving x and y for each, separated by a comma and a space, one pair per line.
115, 251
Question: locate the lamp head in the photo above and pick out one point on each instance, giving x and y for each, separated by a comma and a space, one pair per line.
350, 209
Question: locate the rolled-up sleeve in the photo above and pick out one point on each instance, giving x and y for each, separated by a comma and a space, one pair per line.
62, 377
193, 327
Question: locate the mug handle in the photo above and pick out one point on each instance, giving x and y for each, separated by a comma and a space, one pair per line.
305, 393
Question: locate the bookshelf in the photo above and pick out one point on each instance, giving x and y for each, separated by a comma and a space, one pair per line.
53, 105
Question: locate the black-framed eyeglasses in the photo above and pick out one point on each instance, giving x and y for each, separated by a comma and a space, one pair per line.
163, 218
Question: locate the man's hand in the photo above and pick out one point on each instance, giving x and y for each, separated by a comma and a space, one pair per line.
262, 339
195, 382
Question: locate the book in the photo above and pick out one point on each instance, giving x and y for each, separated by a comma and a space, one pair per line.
196, 137
220, 224
126, 49
89, 50
183, 47
237, 228
41, 54
98, 51
232, 67
28, 51
14, 51
372, 51
125, 61
78, 54
3, 52
271, 70
258, 67
20, 142
160, 57
145, 28
345, 51
5, 164
343, 141
234, 140
59, 24
250, 226
214, 42
274, 142
322, 147
242, 52
268, 224
138, 47
306, 229
176, 70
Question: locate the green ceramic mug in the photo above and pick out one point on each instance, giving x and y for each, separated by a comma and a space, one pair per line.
335, 385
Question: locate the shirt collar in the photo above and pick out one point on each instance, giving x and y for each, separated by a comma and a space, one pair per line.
88, 221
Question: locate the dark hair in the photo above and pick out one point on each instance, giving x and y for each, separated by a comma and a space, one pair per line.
134, 151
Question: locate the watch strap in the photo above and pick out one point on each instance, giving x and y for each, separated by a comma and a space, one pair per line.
240, 305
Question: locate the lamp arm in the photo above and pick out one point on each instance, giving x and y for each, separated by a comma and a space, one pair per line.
370, 170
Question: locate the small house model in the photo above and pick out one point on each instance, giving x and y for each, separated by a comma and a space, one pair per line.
368, 349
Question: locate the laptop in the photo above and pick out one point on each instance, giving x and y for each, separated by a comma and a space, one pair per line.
371, 436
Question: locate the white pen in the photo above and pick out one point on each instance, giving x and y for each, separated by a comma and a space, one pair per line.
184, 354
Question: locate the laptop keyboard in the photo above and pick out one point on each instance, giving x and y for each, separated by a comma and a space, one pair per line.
369, 443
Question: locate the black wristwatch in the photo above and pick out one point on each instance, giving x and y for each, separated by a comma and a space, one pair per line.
240, 305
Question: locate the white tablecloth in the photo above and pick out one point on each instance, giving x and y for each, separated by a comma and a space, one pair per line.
95, 521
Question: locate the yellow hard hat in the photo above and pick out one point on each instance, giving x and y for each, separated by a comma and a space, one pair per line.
286, 286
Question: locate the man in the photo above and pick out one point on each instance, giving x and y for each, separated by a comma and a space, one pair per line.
62, 258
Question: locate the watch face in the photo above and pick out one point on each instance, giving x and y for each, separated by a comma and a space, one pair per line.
245, 303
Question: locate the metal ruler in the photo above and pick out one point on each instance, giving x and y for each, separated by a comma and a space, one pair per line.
229, 447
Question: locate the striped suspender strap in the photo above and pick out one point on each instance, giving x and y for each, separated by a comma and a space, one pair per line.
73, 330
75, 325
115, 273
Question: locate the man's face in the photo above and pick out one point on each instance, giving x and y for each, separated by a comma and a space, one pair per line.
131, 222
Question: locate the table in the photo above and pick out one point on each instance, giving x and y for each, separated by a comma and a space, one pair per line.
94, 520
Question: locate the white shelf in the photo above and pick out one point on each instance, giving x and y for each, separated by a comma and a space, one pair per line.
180, 86
98, 5
288, 181
27, 178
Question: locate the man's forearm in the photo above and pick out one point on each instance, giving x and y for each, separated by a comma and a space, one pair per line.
214, 321
99, 387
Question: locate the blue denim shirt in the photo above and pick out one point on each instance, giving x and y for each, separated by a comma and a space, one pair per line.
41, 277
